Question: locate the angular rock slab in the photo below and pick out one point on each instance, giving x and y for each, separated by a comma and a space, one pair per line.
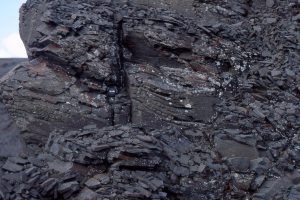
81, 40
231, 149
157, 98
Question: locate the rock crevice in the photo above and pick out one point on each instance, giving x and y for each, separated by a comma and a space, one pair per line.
161, 99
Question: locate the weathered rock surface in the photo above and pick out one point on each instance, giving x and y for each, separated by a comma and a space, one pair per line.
7, 64
101, 62
47, 97
11, 142
156, 99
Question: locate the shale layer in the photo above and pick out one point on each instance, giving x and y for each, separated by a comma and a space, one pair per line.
160, 99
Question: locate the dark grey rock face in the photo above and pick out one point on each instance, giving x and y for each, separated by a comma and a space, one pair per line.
47, 97
11, 142
142, 164
7, 64
103, 63
156, 99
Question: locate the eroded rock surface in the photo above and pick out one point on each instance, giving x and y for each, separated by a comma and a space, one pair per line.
156, 100
11, 142
112, 65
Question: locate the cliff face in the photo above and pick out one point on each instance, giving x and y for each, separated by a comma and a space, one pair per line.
116, 62
11, 142
161, 99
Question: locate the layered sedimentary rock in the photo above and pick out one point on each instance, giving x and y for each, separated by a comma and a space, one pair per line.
156, 99
11, 142
102, 62
47, 97
143, 164
174, 75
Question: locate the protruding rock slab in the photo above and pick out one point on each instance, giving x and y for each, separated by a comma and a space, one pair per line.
231, 149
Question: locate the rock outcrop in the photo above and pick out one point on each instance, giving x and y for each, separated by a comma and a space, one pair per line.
103, 63
11, 142
160, 99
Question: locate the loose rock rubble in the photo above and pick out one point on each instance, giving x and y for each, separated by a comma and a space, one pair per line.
156, 99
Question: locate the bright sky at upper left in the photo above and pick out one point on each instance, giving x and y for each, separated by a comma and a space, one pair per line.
11, 45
